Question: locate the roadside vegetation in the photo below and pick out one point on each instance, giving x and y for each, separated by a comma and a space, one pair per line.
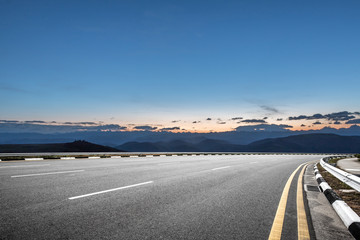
335, 160
357, 156
350, 196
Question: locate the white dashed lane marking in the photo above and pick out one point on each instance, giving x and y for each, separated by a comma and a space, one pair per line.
110, 190
219, 168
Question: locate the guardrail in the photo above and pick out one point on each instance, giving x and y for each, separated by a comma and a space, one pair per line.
350, 219
347, 178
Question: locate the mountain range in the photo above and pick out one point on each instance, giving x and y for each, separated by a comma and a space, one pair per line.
309, 143
242, 136
304, 143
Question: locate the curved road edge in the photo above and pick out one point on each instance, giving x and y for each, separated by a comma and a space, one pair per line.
326, 222
347, 215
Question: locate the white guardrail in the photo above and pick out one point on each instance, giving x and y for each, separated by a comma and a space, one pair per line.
347, 178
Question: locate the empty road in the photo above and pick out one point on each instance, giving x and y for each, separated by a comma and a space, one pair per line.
176, 197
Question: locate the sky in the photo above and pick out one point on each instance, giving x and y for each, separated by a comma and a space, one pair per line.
186, 65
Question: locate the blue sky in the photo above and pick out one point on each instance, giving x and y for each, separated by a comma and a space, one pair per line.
153, 62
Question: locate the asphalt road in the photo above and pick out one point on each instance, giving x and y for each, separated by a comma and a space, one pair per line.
180, 197
351, 165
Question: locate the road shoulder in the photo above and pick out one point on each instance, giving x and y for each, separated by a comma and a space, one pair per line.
326, 223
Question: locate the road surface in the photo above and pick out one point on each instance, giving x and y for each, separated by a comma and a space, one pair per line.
177, 197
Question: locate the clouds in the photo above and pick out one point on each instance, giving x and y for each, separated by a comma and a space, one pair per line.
341, 116
170, 129
8, 88
337, 116
246, 123
253, 121
145, 128
9, 121
37, 126
35, 121
269, 109
304, 117
354, 121
264, 127
236, 118
79, 123
86, 123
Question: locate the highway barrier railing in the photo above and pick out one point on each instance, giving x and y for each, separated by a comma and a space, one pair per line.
347, 178
350, 219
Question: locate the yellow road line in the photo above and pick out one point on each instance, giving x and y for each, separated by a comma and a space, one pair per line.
303, 229
277, 226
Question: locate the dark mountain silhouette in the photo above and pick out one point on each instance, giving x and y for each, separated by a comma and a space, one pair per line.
208, 145
316, 143
312, 143
76, 146
242, 136
171, 146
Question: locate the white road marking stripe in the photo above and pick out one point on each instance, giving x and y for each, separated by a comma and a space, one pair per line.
252, 162
49, 173
352, 169
219, 168
15, 166
110, 190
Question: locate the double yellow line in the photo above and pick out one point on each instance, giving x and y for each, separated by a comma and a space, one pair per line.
302, 225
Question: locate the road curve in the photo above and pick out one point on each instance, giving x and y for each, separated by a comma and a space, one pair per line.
178, 197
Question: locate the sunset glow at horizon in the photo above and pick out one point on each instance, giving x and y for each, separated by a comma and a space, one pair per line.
204, 125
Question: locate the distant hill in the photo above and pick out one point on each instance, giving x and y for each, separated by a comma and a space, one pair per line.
171, 146
242, 136
330, 143
312, 143
208, 145
76, 146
